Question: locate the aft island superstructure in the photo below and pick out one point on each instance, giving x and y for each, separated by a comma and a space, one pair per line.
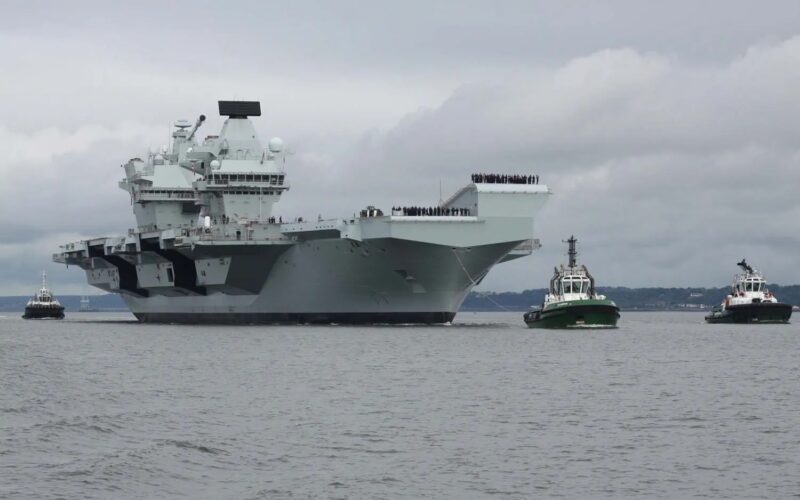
210, 247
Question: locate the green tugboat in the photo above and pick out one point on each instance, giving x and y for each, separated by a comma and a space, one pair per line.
572, 301
750, 301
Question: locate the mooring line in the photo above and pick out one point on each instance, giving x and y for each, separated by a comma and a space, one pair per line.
483, 294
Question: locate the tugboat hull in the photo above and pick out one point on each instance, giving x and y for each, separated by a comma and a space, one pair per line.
44, 313
763, 312
575, 314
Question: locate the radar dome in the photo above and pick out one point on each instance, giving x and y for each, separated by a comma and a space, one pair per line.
275, 145
215, 164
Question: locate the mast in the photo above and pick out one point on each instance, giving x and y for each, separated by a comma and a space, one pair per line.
44, 280
572, 252
745, 266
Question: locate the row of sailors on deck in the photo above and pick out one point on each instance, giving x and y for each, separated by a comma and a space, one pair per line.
505, 179
419, 211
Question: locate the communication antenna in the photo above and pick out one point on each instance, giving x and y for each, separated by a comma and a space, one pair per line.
441, 200
572, 252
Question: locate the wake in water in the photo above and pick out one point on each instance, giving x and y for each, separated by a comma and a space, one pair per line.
592, 327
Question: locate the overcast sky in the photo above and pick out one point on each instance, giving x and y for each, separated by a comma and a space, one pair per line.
667, 131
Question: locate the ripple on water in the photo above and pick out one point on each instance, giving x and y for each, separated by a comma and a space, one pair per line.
482, 408
192, 446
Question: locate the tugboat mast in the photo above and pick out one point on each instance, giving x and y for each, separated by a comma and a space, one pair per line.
572, 252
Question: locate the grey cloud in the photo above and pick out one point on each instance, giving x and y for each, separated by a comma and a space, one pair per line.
15, 233
670, 159
672, 170
404, 35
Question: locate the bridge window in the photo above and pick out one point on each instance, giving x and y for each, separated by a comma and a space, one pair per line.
574, 285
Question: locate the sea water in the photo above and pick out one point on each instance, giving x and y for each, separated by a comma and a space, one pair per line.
99, 406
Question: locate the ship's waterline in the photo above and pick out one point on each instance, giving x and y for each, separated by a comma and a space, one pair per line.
208, 247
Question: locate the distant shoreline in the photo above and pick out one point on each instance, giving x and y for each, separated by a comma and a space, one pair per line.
628, 299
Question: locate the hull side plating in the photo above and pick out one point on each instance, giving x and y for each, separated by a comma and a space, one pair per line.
753, 313
339, 281
575, 314
45, 312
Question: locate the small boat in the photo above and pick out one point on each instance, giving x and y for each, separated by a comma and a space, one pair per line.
43, 304
572, 301
750, 301
86, 305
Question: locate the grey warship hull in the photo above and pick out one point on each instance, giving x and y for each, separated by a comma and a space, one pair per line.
379, 281
242, 266
328, 280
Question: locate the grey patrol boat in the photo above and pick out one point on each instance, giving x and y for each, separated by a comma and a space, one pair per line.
209, 247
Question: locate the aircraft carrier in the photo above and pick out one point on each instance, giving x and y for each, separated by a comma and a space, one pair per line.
209, 247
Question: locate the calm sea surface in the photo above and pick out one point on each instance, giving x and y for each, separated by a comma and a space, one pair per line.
665, 406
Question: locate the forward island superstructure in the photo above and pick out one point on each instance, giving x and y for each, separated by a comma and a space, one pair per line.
209, 246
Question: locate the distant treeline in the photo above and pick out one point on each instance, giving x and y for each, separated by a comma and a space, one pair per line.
626, 298
108, 302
